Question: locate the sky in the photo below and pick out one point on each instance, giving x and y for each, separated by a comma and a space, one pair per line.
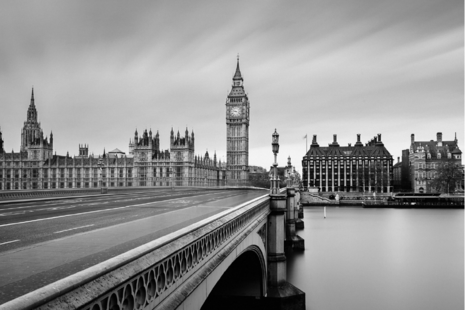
101, 70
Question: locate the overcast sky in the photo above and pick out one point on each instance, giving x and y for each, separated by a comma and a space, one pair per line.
102, 69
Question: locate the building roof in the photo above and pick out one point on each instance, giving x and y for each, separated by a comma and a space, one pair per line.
434, 149
116, 151
345, 151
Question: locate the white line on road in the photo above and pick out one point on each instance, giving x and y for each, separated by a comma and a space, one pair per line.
57, 232
9, 242
96, 211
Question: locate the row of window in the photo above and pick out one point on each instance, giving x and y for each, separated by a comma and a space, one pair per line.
341, 160
361, 188
428, 174
426, 166
54, 185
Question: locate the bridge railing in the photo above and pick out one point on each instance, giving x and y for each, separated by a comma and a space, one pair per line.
46, 193
147, 276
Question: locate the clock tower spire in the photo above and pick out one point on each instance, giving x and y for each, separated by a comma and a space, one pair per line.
237, 127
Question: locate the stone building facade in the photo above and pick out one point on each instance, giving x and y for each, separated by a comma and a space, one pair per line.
36, 167
357, 168
426, 156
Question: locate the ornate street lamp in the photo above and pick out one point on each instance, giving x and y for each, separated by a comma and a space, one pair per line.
275, 148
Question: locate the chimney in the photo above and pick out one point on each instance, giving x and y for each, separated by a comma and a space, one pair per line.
358, 137
358, 143
412, 138
334, 141
439, 138
398, 159
379, 137
314, 143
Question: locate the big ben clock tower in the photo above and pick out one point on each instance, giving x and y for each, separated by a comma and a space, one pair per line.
237, 128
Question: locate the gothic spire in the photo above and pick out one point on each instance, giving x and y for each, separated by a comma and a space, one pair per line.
32, 97
31, 111
237, 75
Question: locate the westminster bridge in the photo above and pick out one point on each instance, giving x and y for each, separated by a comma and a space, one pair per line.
165, 248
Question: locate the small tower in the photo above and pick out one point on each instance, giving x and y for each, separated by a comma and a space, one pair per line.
83, 151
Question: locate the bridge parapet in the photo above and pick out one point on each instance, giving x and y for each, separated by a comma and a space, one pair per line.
159, 274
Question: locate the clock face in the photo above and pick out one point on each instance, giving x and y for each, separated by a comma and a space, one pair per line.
236, 111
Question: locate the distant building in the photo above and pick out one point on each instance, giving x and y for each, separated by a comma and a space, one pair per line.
397, 175
358, 168
259, 177
401, 172
35, 166
425, 158
256, 169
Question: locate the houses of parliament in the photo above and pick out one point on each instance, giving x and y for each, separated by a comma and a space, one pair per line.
36, 166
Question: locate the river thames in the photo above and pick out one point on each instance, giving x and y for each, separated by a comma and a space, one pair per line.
381, 259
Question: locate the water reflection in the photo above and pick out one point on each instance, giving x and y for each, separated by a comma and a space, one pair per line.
381, 259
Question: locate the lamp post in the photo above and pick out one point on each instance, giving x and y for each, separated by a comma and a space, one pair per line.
275, 149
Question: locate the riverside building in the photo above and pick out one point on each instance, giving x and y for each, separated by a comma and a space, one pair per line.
357, 168
36, 167
425, 157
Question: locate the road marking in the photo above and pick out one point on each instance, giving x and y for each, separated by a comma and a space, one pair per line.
9, 242
96, 211
57, 232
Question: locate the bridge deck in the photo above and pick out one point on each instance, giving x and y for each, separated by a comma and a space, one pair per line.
61, 238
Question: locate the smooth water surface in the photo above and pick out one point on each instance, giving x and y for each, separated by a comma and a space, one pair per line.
381, 259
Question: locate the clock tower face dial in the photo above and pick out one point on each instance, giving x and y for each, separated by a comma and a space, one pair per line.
235, 112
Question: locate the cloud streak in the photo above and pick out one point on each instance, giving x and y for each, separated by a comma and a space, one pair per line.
101, 70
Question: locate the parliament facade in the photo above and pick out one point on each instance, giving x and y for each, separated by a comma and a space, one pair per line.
357, 168
36, 167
